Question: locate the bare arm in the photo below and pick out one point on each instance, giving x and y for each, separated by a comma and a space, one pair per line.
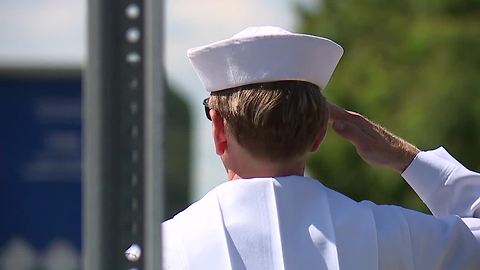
374, 144
442, 183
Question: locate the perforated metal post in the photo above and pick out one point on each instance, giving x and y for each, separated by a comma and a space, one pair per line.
154, 126
122, 181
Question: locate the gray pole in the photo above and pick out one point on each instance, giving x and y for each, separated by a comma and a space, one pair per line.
123, 134
92, 132
154, 133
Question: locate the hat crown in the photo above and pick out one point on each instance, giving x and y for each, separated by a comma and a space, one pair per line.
254, 31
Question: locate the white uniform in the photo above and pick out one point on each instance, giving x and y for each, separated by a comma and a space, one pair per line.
297, 223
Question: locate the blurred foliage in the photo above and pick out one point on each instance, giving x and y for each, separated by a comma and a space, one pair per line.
411, 65
178, 153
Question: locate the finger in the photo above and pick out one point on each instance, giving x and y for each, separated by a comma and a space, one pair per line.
335, 112
352, 133
338, 113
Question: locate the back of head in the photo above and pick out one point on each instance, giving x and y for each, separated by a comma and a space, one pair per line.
274, 120
265, 82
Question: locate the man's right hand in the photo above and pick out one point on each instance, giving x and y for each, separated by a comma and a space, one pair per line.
374, 144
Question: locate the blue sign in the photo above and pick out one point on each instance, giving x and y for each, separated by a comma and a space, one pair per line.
40, 164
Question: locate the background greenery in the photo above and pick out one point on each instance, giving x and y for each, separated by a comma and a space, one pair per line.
178, 152
412, 66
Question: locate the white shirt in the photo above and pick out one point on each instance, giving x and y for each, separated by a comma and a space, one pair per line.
295, 222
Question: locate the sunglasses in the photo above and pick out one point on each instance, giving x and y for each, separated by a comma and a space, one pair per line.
207, 109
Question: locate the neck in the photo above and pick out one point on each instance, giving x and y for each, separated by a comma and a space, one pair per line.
259, 169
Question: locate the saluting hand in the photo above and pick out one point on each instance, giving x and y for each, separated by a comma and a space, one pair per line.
374, 144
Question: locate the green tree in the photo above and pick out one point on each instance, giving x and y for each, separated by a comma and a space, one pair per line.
412, 66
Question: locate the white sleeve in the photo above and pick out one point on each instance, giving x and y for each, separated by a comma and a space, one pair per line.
446, 187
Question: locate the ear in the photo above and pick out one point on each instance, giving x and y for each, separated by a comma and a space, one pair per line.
218, 132
321, 134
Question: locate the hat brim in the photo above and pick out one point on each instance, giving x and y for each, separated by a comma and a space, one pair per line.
241, 61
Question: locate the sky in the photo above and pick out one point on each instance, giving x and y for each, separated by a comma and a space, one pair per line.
44, 33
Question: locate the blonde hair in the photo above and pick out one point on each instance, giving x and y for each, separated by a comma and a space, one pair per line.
275, 120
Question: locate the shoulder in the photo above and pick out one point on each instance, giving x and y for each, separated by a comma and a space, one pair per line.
173, 256
173, 246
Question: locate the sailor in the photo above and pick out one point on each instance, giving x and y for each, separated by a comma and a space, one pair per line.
268, 112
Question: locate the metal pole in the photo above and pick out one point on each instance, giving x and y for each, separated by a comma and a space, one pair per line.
92, 132
122, 179
154, 132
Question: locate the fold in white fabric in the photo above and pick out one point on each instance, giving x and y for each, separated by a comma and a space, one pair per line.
295, 222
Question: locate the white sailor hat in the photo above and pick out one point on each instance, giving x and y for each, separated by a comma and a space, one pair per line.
265, 54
